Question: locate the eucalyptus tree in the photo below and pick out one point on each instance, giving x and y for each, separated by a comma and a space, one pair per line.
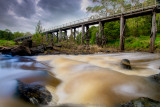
39, 27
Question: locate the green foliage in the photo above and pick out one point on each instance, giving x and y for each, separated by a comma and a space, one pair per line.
39, 39
111, 30
18, 34
116, 6
8, 35
135, 43
93, 30
78, 38
7, 43
71, 38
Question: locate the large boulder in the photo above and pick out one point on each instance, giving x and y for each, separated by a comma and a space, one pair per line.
21, 51
125, 64
33, 93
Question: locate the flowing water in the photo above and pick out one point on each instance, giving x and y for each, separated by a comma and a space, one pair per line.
18, 68
84, 80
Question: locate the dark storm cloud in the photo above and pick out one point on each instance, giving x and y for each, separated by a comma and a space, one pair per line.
5, 18
60, 6
60, 11
25, 9
23, 15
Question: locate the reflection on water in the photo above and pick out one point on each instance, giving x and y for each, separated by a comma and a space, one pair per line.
84, 79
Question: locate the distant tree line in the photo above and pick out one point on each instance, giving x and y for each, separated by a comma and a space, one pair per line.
8, 35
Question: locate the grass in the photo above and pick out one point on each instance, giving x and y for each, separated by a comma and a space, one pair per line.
136, 43
7, 43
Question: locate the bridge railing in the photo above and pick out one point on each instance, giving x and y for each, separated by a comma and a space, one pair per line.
128, 8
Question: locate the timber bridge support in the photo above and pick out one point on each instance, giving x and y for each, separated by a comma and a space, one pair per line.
100, 20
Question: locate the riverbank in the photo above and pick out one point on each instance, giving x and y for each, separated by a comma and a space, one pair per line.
132, 44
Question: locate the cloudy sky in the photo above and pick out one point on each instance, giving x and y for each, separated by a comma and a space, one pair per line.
23, 15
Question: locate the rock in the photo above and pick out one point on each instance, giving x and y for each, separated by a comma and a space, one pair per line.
33, 93
1, 48
37, 50
49, 47
58, 45
21, 51
56, 53
108, 51
27, 43
5, 50
141, 102
155, 78
125, 64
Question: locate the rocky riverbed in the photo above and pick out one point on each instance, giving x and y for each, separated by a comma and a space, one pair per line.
30, 48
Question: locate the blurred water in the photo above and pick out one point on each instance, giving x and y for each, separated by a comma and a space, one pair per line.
13, 68
83, 79
99, 78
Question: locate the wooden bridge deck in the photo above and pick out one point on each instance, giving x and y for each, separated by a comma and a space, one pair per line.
22, 38
88, 21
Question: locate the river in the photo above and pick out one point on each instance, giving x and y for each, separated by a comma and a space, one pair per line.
87, 80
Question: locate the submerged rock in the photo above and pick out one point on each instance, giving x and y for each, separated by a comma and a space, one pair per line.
141, 102
155, 78
33, 93
125, 64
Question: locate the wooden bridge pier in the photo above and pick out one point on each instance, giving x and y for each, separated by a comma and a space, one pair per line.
122, 32
53, 35
57, 37
71, 29
101, 33
60, 35
83, 33
65, 35
100, 30
153, 32
74, 34
47, 37
87, 31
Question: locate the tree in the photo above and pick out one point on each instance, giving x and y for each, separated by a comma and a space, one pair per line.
39, 28
18, 34
107, 6
28, 34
